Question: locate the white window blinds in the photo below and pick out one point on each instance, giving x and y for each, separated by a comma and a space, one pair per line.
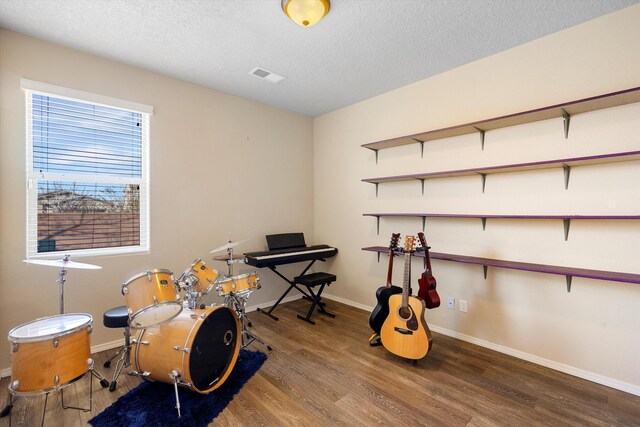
87, 173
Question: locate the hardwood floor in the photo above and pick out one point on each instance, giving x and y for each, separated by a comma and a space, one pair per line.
327, 374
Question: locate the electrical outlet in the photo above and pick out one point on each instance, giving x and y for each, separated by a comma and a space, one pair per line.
463, 305
451, 303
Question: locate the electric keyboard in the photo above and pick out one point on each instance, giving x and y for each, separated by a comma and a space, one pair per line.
289, 255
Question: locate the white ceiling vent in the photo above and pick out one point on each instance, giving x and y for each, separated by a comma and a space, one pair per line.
266, 75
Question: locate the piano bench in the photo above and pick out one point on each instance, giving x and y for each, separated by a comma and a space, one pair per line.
315, 279
310, 281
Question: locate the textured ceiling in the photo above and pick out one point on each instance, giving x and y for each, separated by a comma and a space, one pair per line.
361, 49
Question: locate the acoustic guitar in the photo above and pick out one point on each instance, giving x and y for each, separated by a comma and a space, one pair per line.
427, 282
381, 310
405, 332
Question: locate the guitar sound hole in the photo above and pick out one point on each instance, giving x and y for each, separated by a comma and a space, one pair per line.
404, 313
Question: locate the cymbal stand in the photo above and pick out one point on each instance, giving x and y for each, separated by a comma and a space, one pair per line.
238, 301
61, 280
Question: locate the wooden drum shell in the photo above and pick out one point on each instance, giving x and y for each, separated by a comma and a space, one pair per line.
50, 363
152, 298
160, 350
236, 284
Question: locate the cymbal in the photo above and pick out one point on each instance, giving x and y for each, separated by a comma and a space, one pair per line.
229, 245
61, 263
226, 257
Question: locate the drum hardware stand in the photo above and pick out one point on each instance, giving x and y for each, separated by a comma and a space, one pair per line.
175, 376
238, 303
124, 360
61, 280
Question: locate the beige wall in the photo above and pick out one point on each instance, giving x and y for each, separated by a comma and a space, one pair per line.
217, 167
592, 331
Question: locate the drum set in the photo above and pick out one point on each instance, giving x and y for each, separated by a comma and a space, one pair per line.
180, 339
176, 339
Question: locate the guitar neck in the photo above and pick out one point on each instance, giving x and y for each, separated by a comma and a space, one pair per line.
428, 260
390, 269
407, 277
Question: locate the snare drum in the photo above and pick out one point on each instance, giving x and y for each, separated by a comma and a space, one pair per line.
50, 353
200, 276
152, 298
201, 345
237, 284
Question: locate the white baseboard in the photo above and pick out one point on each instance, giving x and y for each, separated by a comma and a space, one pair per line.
567, 369
6, 372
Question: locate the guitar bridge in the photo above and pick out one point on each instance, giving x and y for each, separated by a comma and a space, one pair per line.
403, 331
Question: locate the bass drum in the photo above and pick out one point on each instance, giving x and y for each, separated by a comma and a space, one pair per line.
201, 345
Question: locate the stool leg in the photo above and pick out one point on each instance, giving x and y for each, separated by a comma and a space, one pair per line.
316, 302
321, 305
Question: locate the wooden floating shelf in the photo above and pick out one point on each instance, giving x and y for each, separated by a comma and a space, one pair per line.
568, 272
564, 111
566, 164
565, 218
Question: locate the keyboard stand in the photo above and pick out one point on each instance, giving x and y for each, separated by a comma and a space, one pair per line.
292, 285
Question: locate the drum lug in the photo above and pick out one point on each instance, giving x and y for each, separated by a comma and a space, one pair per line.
14, 385
56, 379
124, 289
90, 329
203, 316
135, 341
14, 347
193, 315
187, 350
177, 347
155, 299
141, 374
149, 277
184, 384
55, 343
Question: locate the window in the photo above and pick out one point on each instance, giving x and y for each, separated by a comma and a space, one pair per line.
87, 173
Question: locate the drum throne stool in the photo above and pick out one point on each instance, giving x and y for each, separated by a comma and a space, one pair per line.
118, 317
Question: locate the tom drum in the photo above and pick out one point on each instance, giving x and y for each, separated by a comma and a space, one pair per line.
200, 276
152, 298
50, 353
237, 284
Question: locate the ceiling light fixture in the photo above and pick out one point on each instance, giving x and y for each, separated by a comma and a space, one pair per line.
305, 12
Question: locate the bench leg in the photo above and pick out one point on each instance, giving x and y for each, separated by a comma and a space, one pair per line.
316, 302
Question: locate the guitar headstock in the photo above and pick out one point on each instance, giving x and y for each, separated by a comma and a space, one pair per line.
409, 243
394, 241
423, 242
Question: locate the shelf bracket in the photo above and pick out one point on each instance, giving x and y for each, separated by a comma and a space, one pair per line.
567, 173
422, 183
567, 224
569, 283
378, 225
484, 223
421, 149
376, 183
485, 268
378, 257
424, 222
481, 137
566, 118
483, 178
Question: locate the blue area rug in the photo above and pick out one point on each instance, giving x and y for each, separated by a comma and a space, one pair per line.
153, 404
